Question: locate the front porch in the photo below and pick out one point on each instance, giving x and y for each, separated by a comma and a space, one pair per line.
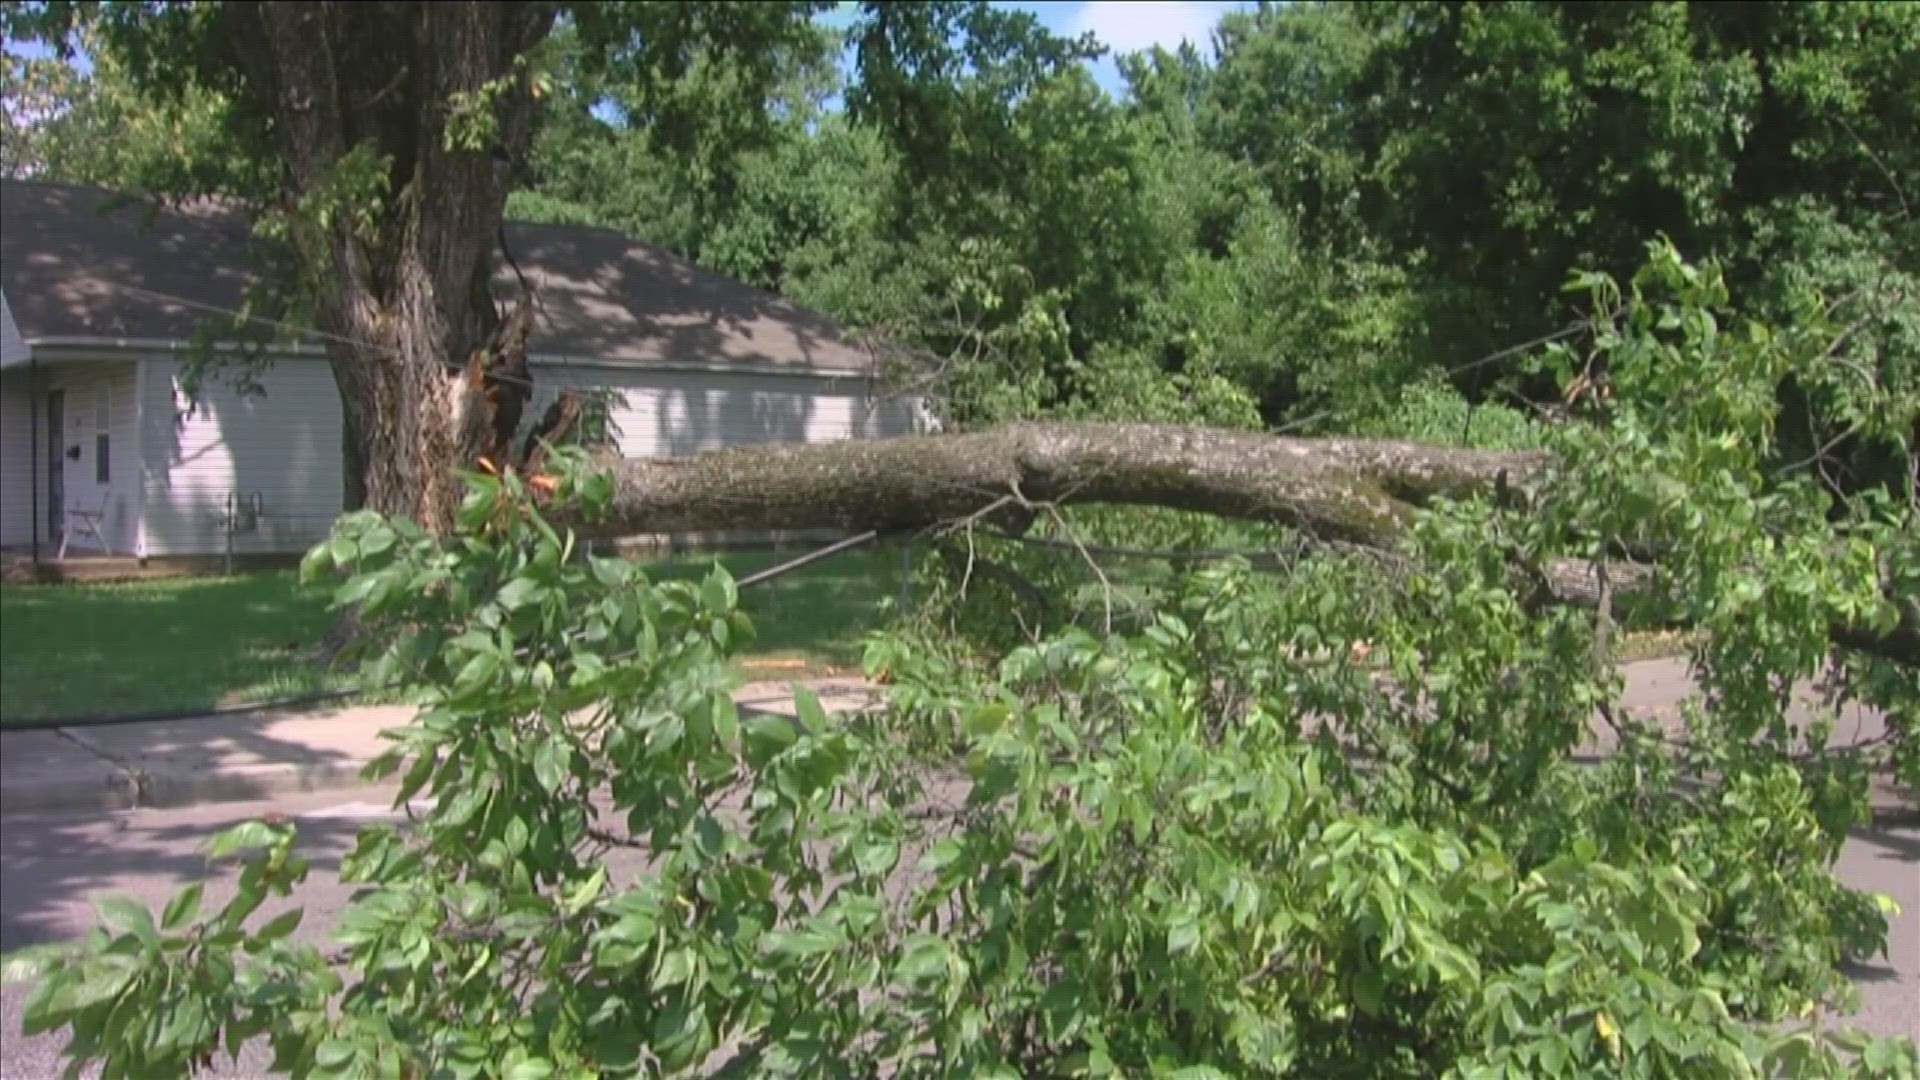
70, 459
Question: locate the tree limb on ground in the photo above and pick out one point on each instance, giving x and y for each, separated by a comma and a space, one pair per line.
1360, 492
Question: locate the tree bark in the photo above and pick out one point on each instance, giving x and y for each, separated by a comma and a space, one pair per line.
1348, 490
1345, 491
404, 297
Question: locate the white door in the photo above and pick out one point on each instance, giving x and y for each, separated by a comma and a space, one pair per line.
88, 464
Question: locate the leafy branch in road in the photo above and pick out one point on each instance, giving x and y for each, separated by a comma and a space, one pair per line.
1202, 842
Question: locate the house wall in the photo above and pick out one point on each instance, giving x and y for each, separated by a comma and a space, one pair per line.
99, 400
665, 413
283, 444
16, 459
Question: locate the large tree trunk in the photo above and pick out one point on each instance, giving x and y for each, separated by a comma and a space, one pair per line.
1356, 491
405, 296
1343, 491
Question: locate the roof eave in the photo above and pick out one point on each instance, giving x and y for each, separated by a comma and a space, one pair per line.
79, 348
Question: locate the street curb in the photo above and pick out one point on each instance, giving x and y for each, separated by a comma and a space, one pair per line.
125, 790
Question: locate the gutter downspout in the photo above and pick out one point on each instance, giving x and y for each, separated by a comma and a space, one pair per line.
140, 458
34, 481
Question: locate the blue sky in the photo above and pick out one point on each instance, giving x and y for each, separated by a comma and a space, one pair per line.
1130, 25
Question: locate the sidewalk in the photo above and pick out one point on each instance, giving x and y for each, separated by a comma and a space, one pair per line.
254, 756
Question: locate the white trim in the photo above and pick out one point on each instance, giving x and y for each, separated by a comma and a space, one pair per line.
14, 351
91, 344
140, 457
713, 367
50, 349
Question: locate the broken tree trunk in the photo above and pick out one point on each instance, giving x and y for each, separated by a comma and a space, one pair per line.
1347, 491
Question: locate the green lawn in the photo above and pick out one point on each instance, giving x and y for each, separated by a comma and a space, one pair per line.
188, 643
81, 650
817, 613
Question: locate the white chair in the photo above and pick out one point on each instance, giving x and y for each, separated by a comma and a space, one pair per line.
87, 523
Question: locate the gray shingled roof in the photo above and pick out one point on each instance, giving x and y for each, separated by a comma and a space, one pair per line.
63, 265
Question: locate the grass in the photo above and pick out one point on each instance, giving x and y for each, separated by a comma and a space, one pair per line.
181, 644
808, 619
147, 646
76, 650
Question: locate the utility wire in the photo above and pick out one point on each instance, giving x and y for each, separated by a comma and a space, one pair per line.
759, 577
756, 578
240, 316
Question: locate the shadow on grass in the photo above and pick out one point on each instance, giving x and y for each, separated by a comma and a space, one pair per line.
70, 650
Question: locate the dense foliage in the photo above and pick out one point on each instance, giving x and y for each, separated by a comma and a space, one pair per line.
1170, 821
1205, 842
1339, 206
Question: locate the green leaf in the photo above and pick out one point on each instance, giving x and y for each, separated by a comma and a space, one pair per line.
342, 550
33, 962
676, 967
940, 855
182, 908
1882, 1055
1182, 936
877, 857
315, 562
986, 719
767, 737
718, 591
245, 836
376, 540
807, 704
520, 592
924, 957
417, 776
550, 763
530, 1069
127, 916
477, 670
281, 925
726, 718
798, 943
585, 892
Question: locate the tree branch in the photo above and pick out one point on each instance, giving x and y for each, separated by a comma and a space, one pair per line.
1357, 492
1353, 490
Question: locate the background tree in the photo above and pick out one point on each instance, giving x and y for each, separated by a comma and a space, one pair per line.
390, 133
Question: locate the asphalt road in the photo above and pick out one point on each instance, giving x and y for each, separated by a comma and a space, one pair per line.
51, 863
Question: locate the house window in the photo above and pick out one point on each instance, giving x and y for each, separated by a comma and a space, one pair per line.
100, 456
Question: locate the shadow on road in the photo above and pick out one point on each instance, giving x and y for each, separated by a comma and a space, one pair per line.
55, 862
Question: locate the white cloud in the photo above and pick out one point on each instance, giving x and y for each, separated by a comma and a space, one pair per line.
1142, 24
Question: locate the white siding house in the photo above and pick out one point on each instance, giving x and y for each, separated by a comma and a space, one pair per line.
94, 413
16, 433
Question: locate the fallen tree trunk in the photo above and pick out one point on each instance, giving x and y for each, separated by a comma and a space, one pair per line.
1347, 491
1350, 490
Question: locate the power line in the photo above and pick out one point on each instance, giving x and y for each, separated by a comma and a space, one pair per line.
238, 315
241, 708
